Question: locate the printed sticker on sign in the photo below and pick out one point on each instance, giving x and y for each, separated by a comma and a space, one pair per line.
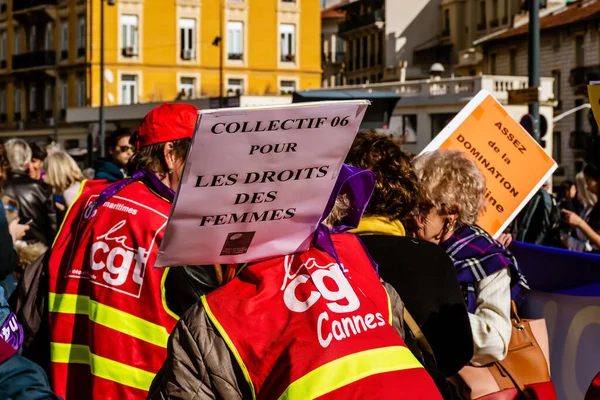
341, 301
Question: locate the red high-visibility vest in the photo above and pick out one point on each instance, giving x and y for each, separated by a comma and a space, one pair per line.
109, 322
300, 327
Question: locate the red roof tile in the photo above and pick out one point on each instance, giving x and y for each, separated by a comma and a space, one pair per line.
334, 11
573, 13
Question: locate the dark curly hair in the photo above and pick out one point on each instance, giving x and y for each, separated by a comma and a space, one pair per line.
397, 190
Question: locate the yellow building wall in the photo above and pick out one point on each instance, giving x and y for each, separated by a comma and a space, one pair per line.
158, 65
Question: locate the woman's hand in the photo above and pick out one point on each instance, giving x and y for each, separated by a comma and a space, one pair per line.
572, 219
505, 239
17, 231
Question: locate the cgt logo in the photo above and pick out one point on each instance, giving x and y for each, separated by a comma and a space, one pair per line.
296, 298
118, 265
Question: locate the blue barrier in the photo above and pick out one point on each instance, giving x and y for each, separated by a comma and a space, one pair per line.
549, 269
566, 293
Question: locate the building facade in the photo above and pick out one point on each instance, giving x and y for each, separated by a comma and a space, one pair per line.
569, 53
155, 51
333, 47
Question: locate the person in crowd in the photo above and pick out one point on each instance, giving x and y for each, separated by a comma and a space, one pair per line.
120, 149
20, 378
64, 175
421, 272
4, 165
37, 159
566, 197
254, 338
34, 197
588, 225
486, 270
584, 196
104, 256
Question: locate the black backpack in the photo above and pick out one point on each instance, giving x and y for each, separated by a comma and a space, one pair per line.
540, 221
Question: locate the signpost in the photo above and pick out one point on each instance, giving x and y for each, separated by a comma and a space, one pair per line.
523, 96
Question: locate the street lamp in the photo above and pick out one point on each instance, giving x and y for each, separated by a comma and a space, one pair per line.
102, 122
219, 42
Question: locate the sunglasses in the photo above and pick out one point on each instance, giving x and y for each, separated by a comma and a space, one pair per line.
123, 149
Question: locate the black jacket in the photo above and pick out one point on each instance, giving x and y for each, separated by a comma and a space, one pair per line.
8, 255
424, 277
35, 203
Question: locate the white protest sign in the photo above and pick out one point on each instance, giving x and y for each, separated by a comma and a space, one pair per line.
257, 180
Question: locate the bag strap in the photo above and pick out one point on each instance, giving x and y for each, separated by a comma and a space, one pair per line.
417, 332
517, 324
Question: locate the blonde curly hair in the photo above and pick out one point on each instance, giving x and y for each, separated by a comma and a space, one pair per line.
452, 183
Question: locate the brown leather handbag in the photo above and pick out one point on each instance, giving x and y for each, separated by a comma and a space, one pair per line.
523, 374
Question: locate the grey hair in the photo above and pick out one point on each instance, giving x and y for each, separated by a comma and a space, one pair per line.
18, 153
341, 208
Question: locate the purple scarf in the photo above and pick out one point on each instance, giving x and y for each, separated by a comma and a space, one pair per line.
475, 256
144, 175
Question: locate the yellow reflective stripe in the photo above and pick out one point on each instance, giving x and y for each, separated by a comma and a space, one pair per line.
390, 316
349, 369
110, 317
100, 366
163, 294
230, 344
69, 211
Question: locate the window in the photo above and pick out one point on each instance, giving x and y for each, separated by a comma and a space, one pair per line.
3, 46
48, 37
235, 40
17, 40
187, 32
48, 97
129, 35
287, 34
557, 147
493, 64
80, 91
409, 128
235, 86
64, 94
64, 36
18, 101
364, 52
495, 10
81, 34
3, 104
32, 98
446, 31
512, 66
482, 16
287, 87
187, 88
557, 86
33, 39
129, 89
579, 51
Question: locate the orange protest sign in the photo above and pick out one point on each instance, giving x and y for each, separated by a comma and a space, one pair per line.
515, 166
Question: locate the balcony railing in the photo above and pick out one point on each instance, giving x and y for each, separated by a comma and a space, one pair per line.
21, 5
455, 89
446, 32
504, 20
481, 26
34, 59
355, 22
494, 23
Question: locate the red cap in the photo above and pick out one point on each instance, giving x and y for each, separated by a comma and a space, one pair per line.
165, 123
